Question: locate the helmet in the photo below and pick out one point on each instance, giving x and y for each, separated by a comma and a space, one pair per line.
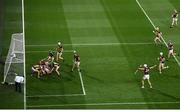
161, 53
145, 65
59, 43
157, 28
74, 51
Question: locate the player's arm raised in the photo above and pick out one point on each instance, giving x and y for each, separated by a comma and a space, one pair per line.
141, 68
152, 67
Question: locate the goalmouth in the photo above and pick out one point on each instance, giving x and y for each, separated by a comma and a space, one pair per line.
14, 64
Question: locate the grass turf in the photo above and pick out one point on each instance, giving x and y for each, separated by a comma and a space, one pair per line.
10, 22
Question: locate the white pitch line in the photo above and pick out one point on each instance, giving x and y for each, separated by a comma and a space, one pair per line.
45, 51
103, 104
82, 84
94, 44
64, 95
155, 27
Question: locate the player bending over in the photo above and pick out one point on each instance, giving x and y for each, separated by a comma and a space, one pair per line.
55, 66
158, 35
36, 69
76, 61
146, 76
174, 18
171, 49
162, 60
59, 50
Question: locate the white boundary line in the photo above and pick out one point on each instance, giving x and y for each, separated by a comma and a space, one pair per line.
23, 27
94, 44
103, 104
55, 95
45, 51
82, 84
155, 27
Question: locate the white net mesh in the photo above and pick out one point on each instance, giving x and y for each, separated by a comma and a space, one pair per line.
15, 59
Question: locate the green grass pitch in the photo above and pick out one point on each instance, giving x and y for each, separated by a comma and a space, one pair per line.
112, 37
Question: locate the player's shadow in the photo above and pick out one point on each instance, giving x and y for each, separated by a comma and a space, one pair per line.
2, 62
69, 76
67, 65
175, 76
93, 78
165, 94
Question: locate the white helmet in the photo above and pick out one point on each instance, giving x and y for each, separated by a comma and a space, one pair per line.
145, 65
157, 28
74, 51
59, 43
161, 53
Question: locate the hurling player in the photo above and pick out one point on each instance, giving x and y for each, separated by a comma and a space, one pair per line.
59, 50
162, 63
174, 18
146, 76
158, 35
76, 61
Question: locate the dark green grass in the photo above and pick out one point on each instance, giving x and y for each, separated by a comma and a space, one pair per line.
107, 71
10, 23
67, 83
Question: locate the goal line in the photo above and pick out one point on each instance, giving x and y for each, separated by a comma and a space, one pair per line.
103, 104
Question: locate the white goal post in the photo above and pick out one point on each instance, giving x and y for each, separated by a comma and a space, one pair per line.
14, 64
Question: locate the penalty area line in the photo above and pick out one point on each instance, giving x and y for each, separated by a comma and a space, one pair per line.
45, 51
155, 27
64, 95
82, 84
94, 44
103, 104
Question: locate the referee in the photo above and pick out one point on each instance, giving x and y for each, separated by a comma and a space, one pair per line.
18, 80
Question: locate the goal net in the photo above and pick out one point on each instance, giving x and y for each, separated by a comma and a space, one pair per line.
14, 64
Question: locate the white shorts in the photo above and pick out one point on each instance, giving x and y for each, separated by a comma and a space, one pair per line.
171, 51
47, 70
161, 64
175, 19
59, 53
146, 77
157, 38
77, 63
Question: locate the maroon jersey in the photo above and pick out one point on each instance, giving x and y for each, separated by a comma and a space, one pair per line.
146, 70
175, 15
60, 49
158, 34
157, 31
76, 57
170, 46
161, 59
